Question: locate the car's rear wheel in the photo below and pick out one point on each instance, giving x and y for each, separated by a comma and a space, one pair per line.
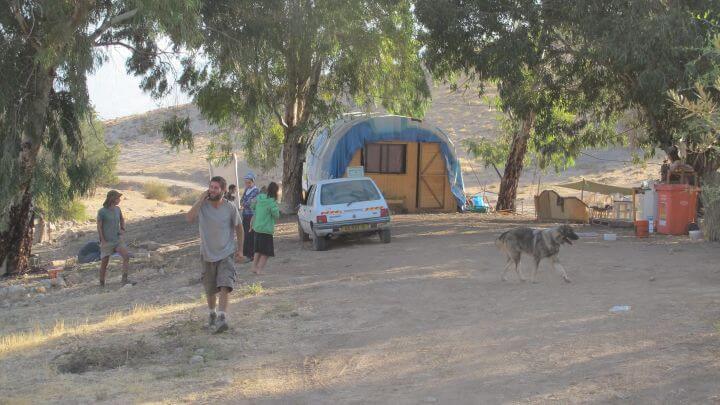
319, 243
385, 236
303, 236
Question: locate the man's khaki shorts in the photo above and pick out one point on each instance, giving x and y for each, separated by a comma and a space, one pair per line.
109, 248
218, 274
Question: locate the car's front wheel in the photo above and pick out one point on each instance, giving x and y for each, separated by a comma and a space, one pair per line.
319, 243
304, 237
385, 236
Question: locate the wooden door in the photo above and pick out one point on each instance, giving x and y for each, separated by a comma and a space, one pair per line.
432, 177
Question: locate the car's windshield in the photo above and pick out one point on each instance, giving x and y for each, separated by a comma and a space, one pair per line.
347, 192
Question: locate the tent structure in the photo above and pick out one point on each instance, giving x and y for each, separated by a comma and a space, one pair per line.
412, 162
550, 206
593, 187
623, 210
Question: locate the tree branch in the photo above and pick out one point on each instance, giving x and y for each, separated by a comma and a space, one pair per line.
19, 18
120, 18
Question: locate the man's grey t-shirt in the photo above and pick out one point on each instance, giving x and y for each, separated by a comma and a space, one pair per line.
110, 218
217, 230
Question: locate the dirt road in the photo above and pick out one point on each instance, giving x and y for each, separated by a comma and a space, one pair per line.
424, 319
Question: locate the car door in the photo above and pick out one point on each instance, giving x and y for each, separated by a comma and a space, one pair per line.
305, 212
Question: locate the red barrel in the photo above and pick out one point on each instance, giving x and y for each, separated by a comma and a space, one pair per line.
641, 228
677, 206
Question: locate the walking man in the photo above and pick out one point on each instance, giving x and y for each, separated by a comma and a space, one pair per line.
111, 226
248, 198
218, 219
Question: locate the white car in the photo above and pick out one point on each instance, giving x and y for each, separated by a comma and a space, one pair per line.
343, 206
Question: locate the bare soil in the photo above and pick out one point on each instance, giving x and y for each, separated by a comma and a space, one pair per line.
424, 319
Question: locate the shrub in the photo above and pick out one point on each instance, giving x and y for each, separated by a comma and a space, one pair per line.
75, 211
188, 198
711, 203
154, 190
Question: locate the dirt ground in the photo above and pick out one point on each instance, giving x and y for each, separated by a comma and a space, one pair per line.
424, 319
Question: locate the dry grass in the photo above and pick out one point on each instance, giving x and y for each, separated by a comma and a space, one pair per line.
154, 190
26, 340
253, 289
188, 198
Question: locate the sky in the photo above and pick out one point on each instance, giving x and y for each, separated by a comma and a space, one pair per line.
115, 94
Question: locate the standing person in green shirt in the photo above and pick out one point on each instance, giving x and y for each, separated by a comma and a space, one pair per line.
111, 226
267, 213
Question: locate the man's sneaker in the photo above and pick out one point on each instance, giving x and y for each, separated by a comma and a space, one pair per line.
212, 319
220, 325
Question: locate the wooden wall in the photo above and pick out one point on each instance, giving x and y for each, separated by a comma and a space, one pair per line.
404, 187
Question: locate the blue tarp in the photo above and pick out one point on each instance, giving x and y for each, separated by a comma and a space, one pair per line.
335, 147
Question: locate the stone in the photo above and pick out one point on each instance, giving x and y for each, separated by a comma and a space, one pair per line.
72, 278
162, 271
41, 289
127, 286
200, 351
197, 359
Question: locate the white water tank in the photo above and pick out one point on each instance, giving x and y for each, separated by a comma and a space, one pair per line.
647, 203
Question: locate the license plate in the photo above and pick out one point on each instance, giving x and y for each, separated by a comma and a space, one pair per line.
355, 228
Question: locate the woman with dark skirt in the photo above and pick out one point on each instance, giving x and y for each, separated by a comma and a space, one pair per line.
267, 213
248, 198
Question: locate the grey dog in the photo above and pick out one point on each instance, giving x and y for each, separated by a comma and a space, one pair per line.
537, 243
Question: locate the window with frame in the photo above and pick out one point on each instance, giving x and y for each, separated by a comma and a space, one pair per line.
385, 158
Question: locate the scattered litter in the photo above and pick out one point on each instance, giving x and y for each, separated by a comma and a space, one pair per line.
619, 309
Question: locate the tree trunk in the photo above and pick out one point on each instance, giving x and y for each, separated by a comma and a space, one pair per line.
16, 241
293, 160
514, 166
17, 222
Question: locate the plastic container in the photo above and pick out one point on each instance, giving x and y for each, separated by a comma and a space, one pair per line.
641, 228
609, 236
677, 206
695, 235
651, 224
619, 309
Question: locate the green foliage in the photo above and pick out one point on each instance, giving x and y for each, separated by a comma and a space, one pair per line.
49, 47
154, 190
63, 175
522, 47
698, 141
710, 196
279, 69
647, 49
176, 132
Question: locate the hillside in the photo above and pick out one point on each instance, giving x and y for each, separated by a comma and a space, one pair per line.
462, 115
